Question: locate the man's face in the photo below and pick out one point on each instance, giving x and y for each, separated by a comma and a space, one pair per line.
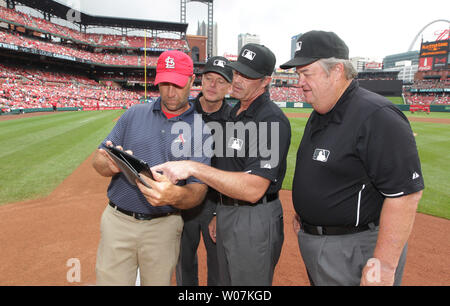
316, 84
174, 99
244, 88
214, 87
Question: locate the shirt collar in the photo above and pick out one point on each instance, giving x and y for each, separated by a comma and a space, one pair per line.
221, 114
336, 114
253, 108
157, 107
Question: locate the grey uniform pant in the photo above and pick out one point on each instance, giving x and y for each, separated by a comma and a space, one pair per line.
339, 260
249, 241
196, 221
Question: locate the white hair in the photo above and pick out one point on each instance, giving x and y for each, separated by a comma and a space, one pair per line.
349, 70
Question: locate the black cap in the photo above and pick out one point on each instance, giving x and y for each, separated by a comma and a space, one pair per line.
218, 64
254, 61
315, 45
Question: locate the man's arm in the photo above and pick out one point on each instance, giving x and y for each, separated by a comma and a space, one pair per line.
396, 222
163, 192
104, 164
236, 185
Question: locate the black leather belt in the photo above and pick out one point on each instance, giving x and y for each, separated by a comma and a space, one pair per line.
140, 216
225, 200
337, 230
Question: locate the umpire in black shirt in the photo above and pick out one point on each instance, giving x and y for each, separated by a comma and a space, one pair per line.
358, 178
211, 104
249, 174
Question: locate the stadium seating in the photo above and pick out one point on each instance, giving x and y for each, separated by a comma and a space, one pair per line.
423, 92
286, 94
30, 88
105, 40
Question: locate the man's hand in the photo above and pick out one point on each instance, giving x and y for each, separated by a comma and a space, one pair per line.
161, 192
175, 171
212, 229
296, 224
375, 273
164, 192
104, 164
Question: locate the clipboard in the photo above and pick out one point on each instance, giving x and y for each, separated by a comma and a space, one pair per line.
131, 166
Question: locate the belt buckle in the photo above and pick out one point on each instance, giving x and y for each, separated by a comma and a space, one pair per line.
141, 217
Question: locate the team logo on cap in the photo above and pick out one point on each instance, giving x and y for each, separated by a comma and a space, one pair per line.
170, 63
250, 55
219, 63
298, 46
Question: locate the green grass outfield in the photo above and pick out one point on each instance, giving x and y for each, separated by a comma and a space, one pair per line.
38, 153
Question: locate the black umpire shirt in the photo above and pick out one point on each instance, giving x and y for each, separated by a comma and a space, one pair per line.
219, 118
257, 142
353, 157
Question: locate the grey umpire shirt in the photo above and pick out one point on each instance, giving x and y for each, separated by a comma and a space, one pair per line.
151, 136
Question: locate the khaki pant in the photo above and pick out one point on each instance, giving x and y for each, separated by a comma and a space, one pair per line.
127, 243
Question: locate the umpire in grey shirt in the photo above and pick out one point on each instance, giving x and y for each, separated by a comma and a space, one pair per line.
358, 178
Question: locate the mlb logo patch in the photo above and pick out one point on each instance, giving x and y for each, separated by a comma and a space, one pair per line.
219, 63
235, 143
250, 55
298, 46
321, 155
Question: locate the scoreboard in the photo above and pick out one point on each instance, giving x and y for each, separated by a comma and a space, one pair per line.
434, 55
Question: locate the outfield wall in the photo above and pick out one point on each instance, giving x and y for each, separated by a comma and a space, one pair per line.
402, 107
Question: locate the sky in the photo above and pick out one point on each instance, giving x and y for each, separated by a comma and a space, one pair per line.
371, 29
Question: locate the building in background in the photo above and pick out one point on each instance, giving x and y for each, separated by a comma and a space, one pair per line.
202, 30
247, 38
406, 71
197, 45
390, 60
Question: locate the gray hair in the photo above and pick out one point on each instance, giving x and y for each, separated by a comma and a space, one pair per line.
349, 70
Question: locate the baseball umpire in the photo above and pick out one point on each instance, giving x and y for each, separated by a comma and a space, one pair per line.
358, 178
210, 103
249, 175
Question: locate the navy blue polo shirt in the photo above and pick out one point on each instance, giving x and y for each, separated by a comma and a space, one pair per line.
151, 136
352, 158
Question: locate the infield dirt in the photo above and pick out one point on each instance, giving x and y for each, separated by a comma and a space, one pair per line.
39, 237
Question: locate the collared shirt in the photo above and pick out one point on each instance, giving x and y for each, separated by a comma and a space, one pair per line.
257, 142
353, 157
145, 130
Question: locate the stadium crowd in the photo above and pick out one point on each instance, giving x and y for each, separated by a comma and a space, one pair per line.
286, 94
93, 39
425, 92
28, 88
99, 58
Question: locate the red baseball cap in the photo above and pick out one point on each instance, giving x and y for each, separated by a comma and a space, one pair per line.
174, 67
